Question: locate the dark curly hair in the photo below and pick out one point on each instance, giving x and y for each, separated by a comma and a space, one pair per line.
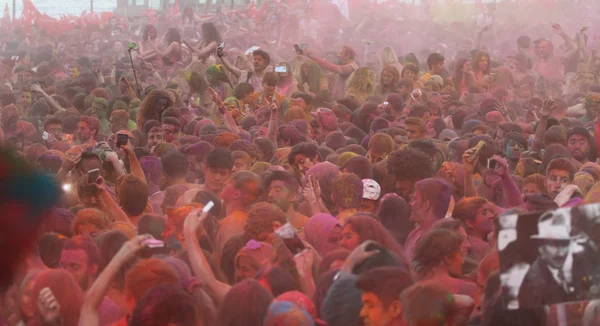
410, 164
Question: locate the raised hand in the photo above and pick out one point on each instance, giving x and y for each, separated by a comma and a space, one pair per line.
71, 160
36, 88
358, 255
556, 28
502, 168
501, 107
304, 261
131, 247
547, 108
48, 306
468, 163
194, 220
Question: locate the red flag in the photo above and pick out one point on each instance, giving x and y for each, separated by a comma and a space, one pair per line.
251, 10
30, 12
175, 9
6, 18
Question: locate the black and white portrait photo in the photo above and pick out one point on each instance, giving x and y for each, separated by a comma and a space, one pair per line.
549, 258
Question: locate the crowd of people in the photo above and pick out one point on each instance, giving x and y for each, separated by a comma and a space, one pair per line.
345, 189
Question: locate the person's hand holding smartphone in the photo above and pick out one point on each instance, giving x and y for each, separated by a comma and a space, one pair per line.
290, 238
299, 51
220, 50
93, 175
122, 139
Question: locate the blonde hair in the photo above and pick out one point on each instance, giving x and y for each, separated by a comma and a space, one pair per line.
386, 56
360, 83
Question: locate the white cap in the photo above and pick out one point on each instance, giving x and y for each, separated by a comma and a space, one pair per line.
371, 189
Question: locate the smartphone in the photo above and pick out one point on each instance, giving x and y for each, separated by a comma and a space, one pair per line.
280, 69
416, 94
478, 149
122, 139
208, 207
15, 58
298, 49
221, 46
492, 164
93, 175
45, 135
153, 243
290, 238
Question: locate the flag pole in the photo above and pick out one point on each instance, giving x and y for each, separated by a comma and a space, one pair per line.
14, 9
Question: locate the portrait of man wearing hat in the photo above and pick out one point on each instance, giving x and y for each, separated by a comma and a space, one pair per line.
557, 275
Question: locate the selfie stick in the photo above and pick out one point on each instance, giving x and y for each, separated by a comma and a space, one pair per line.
137, 85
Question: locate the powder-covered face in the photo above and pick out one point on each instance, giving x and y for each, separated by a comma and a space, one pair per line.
513, 150
578, 146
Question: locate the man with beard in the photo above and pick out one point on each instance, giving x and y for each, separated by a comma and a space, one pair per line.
345, 67
255, 78
171, 127
119, 120
24, 102
282, 191
87, 130
100, 110
580, 144
155, 136
54, 127
12, 126
80, 257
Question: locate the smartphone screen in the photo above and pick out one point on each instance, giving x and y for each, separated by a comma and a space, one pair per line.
93, 175
290, 238
122, 139
298, 49
280, 69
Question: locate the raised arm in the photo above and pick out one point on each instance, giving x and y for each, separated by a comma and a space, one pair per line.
273, 124
544, 114
94, 296
235, 71
198, 261
469, 166
345, 69
225, 115
511, 190
54, 106
114, 210
134, 164
572, 47
212, 46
